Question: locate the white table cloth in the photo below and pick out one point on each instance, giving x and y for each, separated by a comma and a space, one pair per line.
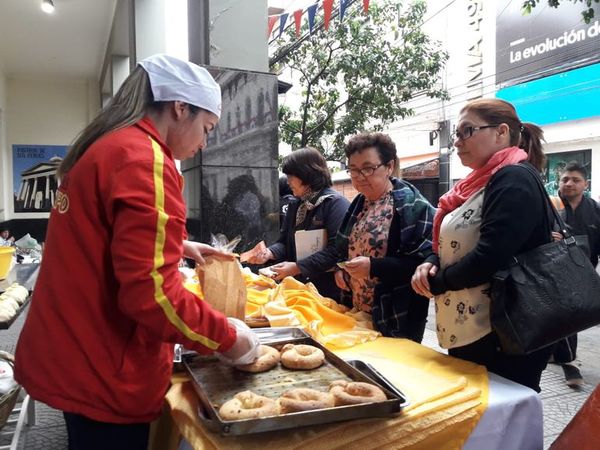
512, 421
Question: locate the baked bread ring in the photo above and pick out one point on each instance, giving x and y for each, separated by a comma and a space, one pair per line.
9, 303
355, 392
269, 357
248, 405
304, 399
301, 356
18, 292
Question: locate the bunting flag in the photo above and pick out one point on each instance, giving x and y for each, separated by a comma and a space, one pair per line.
343, 6
327, 7
282, 20
312, 11
271, 24
298, 21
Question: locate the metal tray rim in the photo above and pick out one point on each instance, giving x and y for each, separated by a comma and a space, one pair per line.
393, 405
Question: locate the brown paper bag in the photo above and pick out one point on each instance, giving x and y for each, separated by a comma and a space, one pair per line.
223, 286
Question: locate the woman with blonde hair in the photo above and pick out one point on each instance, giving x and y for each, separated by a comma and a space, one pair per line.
487, 218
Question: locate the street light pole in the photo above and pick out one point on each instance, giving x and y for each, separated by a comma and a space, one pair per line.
445, 146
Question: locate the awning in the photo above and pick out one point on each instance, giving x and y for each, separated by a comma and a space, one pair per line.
425, 169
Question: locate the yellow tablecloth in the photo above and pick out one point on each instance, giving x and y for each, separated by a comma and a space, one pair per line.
447, 398
447, 395
292, 303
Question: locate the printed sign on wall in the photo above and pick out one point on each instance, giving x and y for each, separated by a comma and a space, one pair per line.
34, 176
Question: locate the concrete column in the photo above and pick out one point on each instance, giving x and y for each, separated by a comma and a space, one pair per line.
21, 190
245, 48
32, 194
119, 70
149, 19
27, 182
199, 31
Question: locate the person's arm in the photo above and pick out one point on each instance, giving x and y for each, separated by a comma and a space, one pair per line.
512, 208
596, 251
394, 270
433, 259
323, 260
147, 218
415, 222
198, 251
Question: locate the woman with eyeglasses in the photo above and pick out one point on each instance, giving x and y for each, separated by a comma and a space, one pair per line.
385, 235
316, 206
493, 214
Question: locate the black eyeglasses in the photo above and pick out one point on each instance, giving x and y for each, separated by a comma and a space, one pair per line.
467, 132
365, 171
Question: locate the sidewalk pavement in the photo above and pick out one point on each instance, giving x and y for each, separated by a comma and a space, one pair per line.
560, 402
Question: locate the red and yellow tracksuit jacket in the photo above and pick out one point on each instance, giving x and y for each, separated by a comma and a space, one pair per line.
109, 302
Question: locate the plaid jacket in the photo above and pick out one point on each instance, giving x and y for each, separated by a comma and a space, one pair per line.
397, 310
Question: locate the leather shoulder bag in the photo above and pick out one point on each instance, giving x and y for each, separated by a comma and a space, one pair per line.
547, 293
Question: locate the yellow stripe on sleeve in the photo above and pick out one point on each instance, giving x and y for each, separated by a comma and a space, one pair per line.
159, 259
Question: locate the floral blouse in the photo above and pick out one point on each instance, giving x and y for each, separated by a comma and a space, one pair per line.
369, 237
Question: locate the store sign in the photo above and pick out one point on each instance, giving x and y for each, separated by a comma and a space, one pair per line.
34, 176
474, 38
548, 41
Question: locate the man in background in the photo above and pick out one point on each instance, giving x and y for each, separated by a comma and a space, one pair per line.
582, 216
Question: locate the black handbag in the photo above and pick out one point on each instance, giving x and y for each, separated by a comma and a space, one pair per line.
547, 293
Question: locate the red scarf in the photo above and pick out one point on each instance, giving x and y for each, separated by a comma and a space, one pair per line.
472, 183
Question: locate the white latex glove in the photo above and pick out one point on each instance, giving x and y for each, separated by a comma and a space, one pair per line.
245, 349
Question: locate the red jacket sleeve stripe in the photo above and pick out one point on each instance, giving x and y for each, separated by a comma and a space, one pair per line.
163, 217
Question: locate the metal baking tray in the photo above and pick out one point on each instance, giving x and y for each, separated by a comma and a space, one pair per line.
216, 383
377, 377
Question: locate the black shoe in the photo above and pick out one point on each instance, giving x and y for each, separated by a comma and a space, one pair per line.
572, 376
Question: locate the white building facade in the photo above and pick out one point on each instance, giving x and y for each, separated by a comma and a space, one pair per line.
556, 84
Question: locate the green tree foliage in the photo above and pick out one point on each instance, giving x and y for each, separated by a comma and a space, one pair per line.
587, 13
359, 74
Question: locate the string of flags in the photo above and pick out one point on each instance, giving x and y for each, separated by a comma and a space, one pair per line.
311, 13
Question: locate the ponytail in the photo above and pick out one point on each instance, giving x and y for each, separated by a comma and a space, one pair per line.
527, 136
129, 105
530, 140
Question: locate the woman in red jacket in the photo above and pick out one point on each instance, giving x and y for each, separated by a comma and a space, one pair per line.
109, 302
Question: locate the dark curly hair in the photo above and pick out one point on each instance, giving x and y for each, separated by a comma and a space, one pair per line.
310, 166
383, 144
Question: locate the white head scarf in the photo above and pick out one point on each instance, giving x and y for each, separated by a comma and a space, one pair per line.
174, 79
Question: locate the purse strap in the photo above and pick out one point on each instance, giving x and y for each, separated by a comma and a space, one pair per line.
549, 206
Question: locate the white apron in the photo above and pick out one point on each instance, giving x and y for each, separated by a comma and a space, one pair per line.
463, 316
